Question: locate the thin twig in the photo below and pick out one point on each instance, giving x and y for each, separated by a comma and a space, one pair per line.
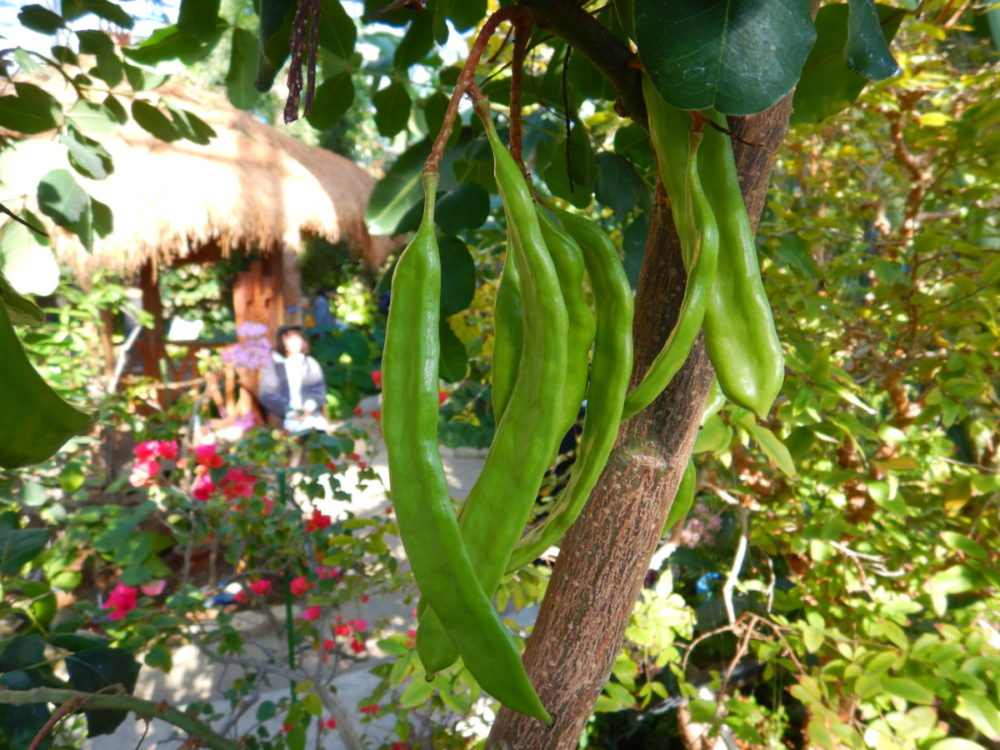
522, 33
19, 220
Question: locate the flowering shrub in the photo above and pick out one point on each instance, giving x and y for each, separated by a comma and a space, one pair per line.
252, 349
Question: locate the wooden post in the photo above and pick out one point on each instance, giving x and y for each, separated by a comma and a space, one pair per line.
154, 349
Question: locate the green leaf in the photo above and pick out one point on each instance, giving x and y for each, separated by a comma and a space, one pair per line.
92, 119
683, 499
62, 199
769, 443
958, 579
23, 652
828, 85
417, 42
171, 43
98, 668
963, 544
40, 19
242, 70
273, 40
867, 53
337, 32
619, 186
458, 275
153, 121
464, 14
105, 9
398, 191
109, 68
955, 743
738, 56
32, 111
573, 181
702, 710
907, 689
159, 657
19, 546
454, 359
190, 126
87, 156
332, 100
416, 693
466, 206
392, 108
29, 266
200, 18
982, 712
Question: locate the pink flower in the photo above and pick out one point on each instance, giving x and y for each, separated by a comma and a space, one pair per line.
317, 522
203, 487
241, 597
341, 630
154, 588
325, 571
268, 506
300, 585
357, 646
167, 449
328, 644
144, 473
377, 378
147, 451
207, 456
260, 587
121, 601
311, 613
359, 626
442, 397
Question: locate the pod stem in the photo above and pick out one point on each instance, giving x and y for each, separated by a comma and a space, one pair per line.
519, 16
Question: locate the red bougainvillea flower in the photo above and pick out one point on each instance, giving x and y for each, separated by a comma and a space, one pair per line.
144, 473
147, 451
237, 483
357, 646
167, 449
268, 506
241, 597
287, 727
442, 397
300, 585
342, 630
377, 378
359, 626
121, 601
369, 709
328, 644
375, 414
207, 456
317, 521
358, 411
203, 488
365, 598
325, 571
330, 724
311, 613
260, 587
154, 588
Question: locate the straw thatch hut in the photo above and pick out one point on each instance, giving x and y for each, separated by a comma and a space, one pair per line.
250, 188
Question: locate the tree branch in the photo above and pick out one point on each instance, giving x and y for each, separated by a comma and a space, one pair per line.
142, 708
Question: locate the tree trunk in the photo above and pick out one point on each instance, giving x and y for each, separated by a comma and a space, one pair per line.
605, 555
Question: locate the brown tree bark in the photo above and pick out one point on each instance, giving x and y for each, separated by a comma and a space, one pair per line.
604, 557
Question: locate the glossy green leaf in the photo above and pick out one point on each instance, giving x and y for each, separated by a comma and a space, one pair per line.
32, 111
454, 359
87, 156
982, 712
415, 694
618, 184
18, 546
92, 119
867, 53
152, 120
466, 206
337, 32
200, 18
392, 108
62, 199
273, 40
333, 99
458, 275
828, 85
36, 420
907, 689
171, 43
105, 9
398, 191
109, 68
190, 126
738, 56
571, 176
242, 70
98, 668
29, 267
39, 18
416, 42
769, 443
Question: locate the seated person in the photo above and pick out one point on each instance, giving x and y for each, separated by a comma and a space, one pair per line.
292, 387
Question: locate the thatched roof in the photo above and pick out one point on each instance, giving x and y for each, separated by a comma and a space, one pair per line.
250, 187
